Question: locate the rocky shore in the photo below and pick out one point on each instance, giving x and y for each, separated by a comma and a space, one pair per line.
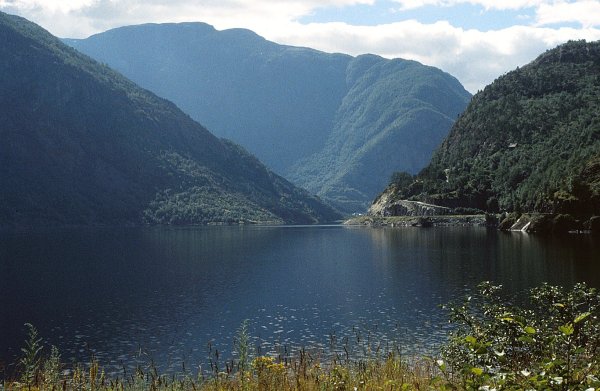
530, 223
421, 221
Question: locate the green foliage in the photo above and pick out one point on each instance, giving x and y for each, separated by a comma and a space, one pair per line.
401, 179
552, 342
529, 142
30, 361
242, 345
51, 368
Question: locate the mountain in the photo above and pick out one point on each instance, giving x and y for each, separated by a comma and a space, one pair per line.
81, 144
528, 142
395, 113
332, 123
277, 101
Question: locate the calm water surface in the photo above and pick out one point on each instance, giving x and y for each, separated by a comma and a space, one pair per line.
128, 296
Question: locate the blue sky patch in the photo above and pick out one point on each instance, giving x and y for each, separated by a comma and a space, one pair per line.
466, 16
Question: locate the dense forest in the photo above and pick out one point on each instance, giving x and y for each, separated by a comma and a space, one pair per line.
335, 124
529, 142
81, 144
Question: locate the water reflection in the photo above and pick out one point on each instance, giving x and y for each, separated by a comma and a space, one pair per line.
128, 295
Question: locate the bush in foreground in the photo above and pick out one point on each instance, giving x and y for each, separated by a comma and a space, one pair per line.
551, 342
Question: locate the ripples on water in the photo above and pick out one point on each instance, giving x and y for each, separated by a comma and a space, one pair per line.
274, 331
131, 296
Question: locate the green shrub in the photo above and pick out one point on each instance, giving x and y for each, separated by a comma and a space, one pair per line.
30, 361
553, 342
467, 211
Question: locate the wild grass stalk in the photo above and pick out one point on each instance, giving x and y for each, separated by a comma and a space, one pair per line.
30, 361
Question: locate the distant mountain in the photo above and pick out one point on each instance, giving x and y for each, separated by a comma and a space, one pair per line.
332, 123
395, 113
83, 145
528, 142
277, 101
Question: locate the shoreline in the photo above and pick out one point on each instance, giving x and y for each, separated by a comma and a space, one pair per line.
420, 221
527, 222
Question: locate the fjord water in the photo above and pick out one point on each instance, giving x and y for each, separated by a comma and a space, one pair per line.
130, 295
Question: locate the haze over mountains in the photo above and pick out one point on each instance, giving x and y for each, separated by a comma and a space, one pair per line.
334, 124
81, 144
530, 141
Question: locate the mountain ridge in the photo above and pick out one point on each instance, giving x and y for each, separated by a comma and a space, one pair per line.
284, 103
84, 145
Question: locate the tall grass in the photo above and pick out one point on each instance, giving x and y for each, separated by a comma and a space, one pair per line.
304, 369
264, 373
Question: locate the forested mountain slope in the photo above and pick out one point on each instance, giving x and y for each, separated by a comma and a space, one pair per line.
396, 112
330, 122
83, 145
277, 101
530, 141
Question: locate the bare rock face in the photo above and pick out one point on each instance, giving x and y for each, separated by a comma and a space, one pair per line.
386, 207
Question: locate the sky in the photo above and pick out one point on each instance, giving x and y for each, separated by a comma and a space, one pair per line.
474, 40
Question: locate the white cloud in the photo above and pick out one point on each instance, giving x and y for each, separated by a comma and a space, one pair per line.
63, 6
486, 4
584, 12
79, 18
475, 57
587, 13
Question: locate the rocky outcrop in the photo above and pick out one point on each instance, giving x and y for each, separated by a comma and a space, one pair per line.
544, 223
522, 224
419, 221
384, 206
